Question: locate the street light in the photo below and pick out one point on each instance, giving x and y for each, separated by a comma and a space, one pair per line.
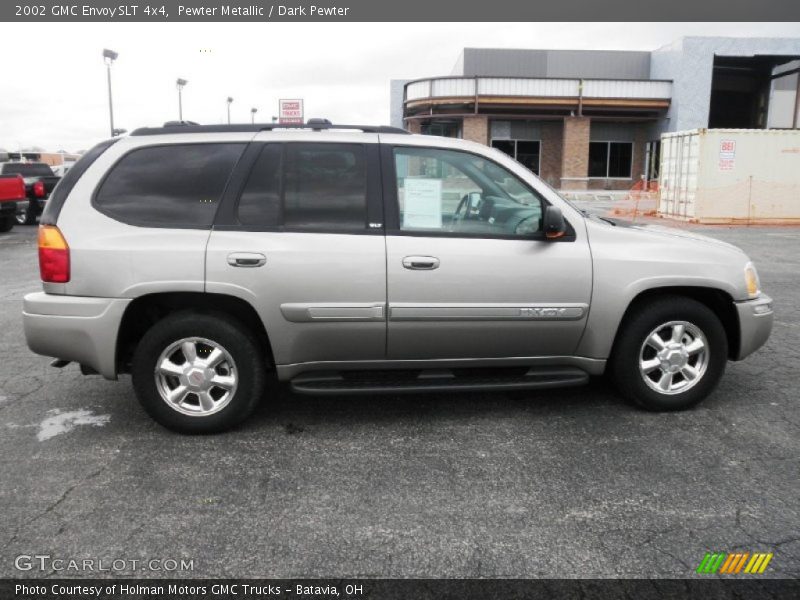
253, 112
109, 56
229, 109
179, 84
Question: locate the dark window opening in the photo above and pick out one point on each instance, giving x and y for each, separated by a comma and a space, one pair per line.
260, 202
307, 186
740, 90
610, 159
451, 129
526, 152
168, 186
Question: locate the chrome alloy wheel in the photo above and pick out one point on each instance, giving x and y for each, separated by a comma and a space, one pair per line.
196, 376
674, 357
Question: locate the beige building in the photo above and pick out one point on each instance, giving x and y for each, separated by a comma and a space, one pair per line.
585, 119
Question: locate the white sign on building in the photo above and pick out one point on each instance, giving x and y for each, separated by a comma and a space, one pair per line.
290, 112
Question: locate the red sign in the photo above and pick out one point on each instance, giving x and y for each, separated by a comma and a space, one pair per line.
727, 149
290, 112
727, 155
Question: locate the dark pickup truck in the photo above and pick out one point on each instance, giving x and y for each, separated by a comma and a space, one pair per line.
12, 189
39, 182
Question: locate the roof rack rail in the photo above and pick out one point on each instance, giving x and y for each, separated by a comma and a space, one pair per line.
313, 124
179, 123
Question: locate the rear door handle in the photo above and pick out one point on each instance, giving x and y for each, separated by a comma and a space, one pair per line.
246, 259
421, 263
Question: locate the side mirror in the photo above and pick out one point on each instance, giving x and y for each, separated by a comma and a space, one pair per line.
554, 224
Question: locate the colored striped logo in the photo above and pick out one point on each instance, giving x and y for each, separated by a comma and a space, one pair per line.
735, 563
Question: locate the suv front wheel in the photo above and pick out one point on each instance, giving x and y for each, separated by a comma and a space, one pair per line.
198, 373
670, 354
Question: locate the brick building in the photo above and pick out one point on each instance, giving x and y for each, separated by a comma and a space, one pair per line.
585, 119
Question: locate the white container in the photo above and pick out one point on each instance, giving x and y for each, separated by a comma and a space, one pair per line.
730, 175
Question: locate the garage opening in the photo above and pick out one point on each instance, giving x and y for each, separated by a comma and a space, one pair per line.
742, 89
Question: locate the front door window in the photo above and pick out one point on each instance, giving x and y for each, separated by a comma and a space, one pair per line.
446, 191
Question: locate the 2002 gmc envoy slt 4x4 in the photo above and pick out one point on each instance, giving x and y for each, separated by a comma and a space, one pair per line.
365, 259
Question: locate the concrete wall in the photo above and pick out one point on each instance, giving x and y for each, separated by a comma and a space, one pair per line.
396, 101
597, 64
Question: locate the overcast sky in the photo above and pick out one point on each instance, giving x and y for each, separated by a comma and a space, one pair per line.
53, 90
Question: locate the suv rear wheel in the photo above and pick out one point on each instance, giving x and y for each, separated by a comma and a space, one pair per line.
198, 373
670, 354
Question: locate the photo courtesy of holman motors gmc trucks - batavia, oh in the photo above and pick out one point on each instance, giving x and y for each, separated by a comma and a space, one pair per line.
202, 260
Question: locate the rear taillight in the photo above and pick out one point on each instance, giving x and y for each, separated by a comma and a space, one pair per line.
53, 255
38, 189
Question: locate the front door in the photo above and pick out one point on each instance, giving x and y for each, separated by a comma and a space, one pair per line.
469, 272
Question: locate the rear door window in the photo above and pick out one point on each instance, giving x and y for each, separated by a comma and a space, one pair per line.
168, 186
260, 202
307, 187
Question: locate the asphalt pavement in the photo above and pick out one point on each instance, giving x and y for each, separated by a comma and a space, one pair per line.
561, 483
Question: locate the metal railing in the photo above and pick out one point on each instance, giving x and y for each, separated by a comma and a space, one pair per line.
472, 87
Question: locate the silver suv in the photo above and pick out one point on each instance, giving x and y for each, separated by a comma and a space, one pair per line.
345, 259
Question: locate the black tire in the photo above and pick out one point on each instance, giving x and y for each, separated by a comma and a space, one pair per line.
639, 322
7, 223
26, 216
249, 366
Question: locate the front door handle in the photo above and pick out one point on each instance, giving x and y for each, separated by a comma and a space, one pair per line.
246, 259
421, 263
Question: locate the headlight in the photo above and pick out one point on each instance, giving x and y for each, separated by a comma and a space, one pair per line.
751, 279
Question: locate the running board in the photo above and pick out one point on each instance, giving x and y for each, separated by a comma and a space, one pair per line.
439, 380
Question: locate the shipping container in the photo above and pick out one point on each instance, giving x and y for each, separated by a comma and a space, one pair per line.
731, 175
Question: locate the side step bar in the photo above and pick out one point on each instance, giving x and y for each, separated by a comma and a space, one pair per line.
439, 380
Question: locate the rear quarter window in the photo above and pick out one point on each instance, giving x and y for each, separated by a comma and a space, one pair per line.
177, 185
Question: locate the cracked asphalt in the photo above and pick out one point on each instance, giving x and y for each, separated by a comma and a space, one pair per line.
567, 483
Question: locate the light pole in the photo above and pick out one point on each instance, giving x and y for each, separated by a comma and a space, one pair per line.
109, 56
179, 84
253, 112
229, 109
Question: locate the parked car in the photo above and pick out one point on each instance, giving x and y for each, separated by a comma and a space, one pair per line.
203, 259
12, 190
39, 183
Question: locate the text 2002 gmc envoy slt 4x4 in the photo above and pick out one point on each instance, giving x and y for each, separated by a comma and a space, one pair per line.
365, 259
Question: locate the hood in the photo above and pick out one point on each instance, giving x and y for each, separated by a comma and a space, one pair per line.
662, 230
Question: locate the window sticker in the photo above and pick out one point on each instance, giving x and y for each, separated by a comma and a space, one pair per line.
422, 206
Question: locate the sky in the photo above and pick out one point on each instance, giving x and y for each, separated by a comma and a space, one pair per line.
53, 91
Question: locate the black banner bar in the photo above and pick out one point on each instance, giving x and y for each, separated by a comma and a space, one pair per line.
333, 11
752, 588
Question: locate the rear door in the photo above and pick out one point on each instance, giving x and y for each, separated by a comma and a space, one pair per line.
300, 237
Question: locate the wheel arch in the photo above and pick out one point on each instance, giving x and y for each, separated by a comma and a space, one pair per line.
145, 311
719, 301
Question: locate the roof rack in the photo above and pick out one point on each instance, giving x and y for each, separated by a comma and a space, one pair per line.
313, 124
